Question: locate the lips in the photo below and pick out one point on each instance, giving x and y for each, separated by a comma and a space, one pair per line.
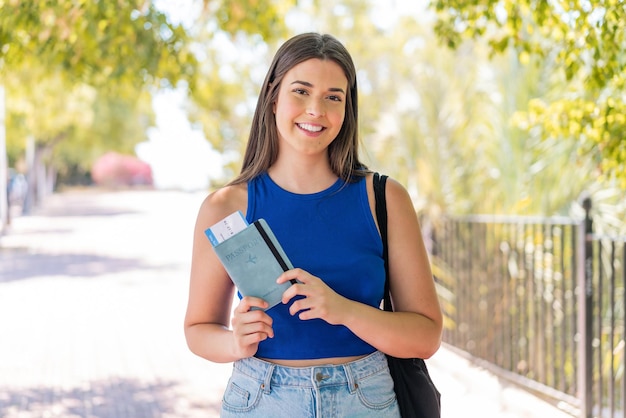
310, 128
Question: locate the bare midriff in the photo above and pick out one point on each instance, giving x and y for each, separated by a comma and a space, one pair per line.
313, 362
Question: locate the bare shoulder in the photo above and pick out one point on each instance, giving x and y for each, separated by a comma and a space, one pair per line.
222, 202
398, 197
396, 194
401, 212
400, 209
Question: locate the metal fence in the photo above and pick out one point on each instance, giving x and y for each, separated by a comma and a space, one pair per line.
540, 301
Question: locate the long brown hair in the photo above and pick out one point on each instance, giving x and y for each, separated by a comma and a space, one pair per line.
262, 149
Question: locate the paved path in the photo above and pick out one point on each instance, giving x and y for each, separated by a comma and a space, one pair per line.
93, 290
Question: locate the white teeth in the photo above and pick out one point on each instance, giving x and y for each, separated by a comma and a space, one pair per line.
310, 128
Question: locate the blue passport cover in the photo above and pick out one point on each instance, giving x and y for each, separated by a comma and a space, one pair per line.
253, 258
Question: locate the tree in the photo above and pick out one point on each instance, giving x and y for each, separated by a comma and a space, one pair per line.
72, 52
37, 111
97, 43
236, 42
102, 61
585, 40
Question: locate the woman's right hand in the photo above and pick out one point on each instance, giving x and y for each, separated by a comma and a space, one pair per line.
250, 326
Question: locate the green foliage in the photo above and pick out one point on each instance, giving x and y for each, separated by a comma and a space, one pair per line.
585, 40
74, 127
436, 119
98, 43
80, 74
234, 39
264, 18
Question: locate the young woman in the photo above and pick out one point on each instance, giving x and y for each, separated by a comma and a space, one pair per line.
319, 353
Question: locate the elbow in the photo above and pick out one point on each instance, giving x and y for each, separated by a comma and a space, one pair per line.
189, 339
429, 350
194, 340
421, 345
431, 342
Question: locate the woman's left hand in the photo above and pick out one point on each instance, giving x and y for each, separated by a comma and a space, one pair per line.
319, 301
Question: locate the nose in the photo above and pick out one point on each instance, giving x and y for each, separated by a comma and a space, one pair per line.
316, 108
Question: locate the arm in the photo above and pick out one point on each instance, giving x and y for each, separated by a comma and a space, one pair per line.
414, 329
412, 286
211, 292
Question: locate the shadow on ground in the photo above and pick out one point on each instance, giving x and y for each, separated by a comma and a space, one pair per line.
111, 398
20, 264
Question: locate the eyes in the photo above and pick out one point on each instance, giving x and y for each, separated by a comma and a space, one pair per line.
304, 92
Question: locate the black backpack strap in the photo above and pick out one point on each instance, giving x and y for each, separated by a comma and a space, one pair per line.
380, 182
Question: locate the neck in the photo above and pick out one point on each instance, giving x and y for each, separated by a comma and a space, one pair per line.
302, 178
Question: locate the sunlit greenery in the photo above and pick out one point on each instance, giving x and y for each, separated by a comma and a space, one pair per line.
520, 116
80, 76
585, 40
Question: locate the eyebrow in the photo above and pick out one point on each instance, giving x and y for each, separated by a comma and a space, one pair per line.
307, 84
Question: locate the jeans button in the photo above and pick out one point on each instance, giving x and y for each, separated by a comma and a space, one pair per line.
319, 377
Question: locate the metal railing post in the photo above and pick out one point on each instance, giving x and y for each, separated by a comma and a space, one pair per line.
585, 311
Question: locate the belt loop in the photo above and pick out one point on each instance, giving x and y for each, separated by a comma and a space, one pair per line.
266, 385
352, 384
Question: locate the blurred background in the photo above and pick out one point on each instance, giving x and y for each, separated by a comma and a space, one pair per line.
498, 108
504, 117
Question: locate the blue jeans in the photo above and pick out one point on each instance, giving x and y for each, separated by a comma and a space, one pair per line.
362, 388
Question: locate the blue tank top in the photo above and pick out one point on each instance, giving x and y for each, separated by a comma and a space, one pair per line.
332, 235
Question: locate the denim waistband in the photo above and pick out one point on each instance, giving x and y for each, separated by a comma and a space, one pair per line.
270, 374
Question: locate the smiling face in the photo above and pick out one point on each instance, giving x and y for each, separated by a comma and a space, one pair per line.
311, 106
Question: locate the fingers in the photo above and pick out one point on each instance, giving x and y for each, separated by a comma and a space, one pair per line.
246, 317
256, 326
250, 326
249, 302
316, 300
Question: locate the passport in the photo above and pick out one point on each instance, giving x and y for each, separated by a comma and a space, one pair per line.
253, 258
